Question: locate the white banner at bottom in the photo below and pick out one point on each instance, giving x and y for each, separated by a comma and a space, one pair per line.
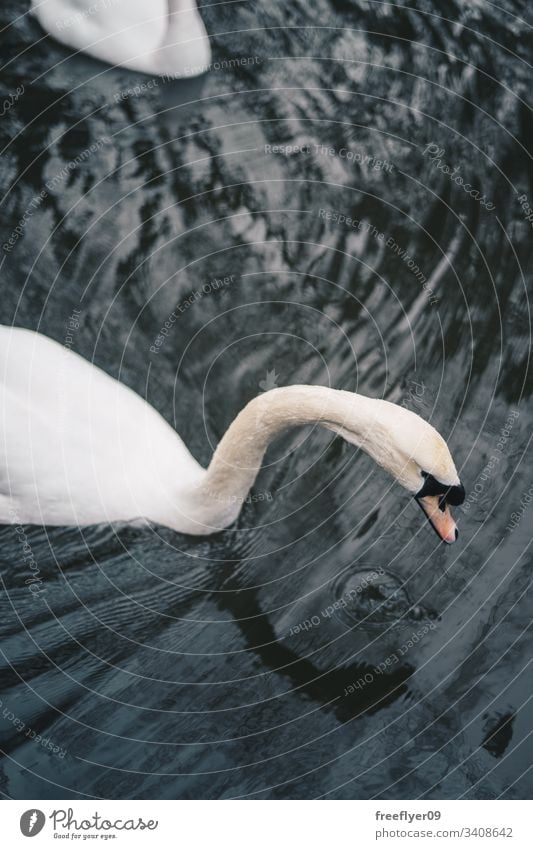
267, 824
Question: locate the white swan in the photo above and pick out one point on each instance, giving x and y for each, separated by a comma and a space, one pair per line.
163, 37
77, 447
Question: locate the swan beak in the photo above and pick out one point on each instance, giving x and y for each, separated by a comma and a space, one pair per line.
441, 520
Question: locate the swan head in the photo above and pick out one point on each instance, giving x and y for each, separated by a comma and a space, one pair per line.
417, 457
420, 460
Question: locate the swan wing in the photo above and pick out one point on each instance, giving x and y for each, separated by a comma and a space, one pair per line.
77, 446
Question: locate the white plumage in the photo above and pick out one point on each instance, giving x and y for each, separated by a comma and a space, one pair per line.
160, 37
77, 447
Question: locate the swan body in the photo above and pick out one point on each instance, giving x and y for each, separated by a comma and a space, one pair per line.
162, 37
77, 447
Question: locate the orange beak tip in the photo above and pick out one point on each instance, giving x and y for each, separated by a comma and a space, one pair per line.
441, 521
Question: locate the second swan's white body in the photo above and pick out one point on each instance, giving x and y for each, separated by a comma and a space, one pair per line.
162, 37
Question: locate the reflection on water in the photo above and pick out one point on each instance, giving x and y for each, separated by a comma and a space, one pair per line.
325, 174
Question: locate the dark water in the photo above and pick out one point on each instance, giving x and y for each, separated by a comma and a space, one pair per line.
163, 666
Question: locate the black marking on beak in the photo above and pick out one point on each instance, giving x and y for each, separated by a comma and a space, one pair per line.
453, 495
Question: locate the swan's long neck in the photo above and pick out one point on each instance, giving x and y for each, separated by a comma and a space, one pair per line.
239, 455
